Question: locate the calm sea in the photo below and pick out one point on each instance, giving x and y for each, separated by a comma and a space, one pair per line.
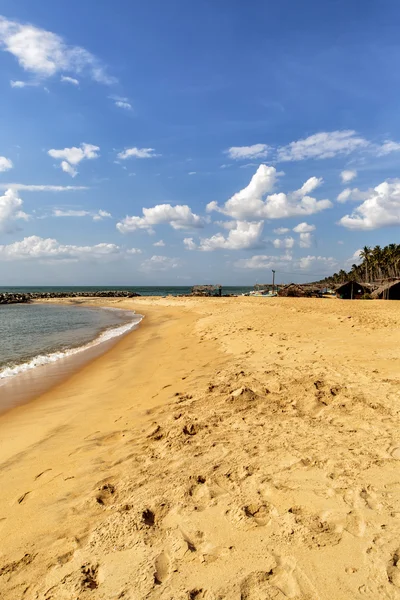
33, 334
144, 291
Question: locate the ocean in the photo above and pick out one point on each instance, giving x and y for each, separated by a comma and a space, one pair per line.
34, 334
143, 290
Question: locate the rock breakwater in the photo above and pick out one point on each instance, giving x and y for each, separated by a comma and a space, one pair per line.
22, 298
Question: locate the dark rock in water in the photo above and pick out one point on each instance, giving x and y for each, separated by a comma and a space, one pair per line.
18, 298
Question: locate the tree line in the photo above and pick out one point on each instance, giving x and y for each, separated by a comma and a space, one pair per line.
376, 264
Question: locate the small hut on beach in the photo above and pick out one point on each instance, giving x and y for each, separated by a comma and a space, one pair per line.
352, 290
206, 290
388, 291
292, 290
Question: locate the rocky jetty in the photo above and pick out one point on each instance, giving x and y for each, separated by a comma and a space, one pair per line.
18, 298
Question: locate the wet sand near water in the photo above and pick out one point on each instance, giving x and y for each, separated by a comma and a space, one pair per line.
232, 448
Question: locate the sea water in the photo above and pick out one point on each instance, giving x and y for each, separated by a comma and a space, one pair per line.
33, 335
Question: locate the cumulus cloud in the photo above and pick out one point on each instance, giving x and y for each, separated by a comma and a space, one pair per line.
303, 228
245, 235
355, 195
159, 244
11, 211
71, 80
325, 144
5, 164
249, 203
179, 217
316, 262
264, 261
35, 247
137, 153
190, 244
42, 188
96, 216
70, 157
281, 230
305, 240
45, 54
380, 209
287, 243
348, 175
287, 262
159, 263
246, 152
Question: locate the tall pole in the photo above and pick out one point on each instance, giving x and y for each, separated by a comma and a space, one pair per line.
273, 281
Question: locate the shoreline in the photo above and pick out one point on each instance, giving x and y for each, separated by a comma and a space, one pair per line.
226, 449
44, 371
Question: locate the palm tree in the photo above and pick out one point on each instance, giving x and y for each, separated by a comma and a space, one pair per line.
365, 254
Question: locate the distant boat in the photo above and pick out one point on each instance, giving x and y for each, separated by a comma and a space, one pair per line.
262, 294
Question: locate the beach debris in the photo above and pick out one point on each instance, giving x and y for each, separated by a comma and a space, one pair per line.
148, 517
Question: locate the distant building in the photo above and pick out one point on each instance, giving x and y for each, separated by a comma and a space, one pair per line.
389, 291
352, 290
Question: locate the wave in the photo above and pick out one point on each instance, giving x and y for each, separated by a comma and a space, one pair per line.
52, 357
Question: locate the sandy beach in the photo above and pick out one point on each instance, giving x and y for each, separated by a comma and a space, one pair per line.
228, 449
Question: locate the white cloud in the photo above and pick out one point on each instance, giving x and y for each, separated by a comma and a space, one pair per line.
281, 230
42, 188
380, 209
287, 243
67, 168
71, 80
311, 262
355, 195
244, 235
35, 247
5, 164
245, 152
134, 251
179, 217
286, 262
305, 240
137, 153
249, 203
304, 228
264, 261
348, 175
96, 216
309, 186
159, 244
190, 244
73, 156
160, 263
45, 54
20, 84
122, 102
11, 211
325, 144
387, 147
192, 173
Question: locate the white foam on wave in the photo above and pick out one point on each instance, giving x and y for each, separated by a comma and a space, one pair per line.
45, 359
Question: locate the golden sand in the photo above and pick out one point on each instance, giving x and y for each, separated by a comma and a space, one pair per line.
235, 449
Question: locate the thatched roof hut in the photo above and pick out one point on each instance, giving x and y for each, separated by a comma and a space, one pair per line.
352, 290
389, 291
292, 290
206, 290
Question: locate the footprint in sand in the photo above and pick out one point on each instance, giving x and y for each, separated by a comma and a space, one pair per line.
163, 566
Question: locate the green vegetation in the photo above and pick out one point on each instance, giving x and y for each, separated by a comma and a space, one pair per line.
377, 264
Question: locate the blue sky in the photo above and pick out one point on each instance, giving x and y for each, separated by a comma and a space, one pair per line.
179, 142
